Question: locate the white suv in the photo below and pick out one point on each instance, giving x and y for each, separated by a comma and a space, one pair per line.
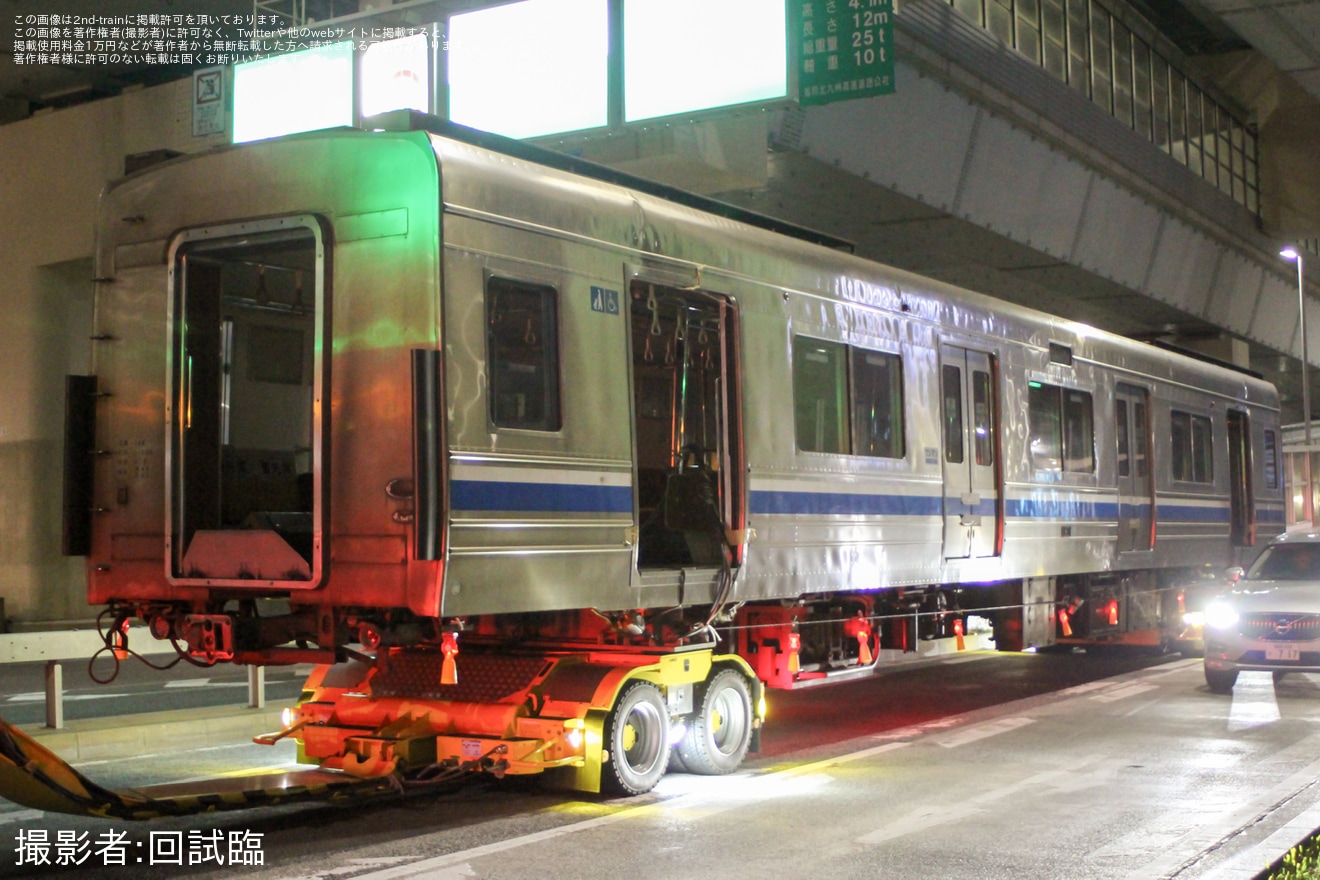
1270, 619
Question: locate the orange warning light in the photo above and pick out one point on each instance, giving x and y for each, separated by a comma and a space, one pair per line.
859, 628
1064, 626
449, 669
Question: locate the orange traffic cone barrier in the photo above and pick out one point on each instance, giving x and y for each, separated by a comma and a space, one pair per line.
794, 645
958, 635
1063, 623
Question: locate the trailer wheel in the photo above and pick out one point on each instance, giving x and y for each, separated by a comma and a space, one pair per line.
716, 741
1221, 681
637, 733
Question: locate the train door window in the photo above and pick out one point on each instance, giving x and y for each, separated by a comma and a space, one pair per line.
522, 347
820, 395
1192, 454
982, 413
1271, 462
877, 380
246, 382
953, 414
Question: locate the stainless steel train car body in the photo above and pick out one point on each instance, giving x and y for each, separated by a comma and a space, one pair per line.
415, 230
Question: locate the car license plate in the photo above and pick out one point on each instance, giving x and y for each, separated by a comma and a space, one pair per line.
1283, 652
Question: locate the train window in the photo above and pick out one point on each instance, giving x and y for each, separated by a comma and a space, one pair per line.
953, 415
1062, 429
1121, 429
1141, 439
1271, 460
820, 395
522, 347
1046, 435
877, 404
1192, 453
981, 415
1078, 433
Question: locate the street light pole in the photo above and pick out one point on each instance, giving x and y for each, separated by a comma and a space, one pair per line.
1295, 255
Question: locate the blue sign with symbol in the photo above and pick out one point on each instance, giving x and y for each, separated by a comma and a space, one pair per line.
603, 300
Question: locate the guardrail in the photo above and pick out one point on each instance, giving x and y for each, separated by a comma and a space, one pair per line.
54, 647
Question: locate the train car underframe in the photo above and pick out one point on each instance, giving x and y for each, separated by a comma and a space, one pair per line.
598, 699
595, 701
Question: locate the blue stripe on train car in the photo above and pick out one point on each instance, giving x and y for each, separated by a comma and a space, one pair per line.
1265, 514
539, 497
1054, 508
842, 503
1179, 513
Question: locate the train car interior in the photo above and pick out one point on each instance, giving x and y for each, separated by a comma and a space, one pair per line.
683, 388
245, 328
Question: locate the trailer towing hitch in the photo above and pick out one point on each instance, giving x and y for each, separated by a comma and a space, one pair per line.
34, 776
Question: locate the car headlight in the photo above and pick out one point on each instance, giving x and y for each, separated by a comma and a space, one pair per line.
1220, 615
1194, 619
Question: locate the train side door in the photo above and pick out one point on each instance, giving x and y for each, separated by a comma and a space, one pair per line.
1242, 511
968, 407
1136, 488
688, 452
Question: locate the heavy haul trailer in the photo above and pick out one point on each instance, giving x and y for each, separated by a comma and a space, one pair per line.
550, 470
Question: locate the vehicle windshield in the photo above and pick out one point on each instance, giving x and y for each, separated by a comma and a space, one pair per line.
1287, 562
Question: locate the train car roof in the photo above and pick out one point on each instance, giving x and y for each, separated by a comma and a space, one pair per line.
490, 173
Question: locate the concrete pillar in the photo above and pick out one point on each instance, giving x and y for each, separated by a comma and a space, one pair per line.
54, 694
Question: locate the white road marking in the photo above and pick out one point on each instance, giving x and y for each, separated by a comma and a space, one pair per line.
1066, 779
982, 731
40, 696
731, 792
1123, 692
1085, 688
20, 816
1214, 828
358, 865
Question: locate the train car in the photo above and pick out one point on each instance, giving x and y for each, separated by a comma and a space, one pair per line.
552, 470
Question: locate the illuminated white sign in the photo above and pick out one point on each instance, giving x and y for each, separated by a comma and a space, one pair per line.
301, 91
685, 55
395, 76
531, 68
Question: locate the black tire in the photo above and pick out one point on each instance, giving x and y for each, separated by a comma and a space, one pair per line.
1221, 681
637, 736
717, 739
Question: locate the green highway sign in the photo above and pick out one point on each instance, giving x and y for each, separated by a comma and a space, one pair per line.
843, 49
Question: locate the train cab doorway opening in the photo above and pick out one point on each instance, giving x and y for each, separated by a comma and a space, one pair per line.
1242, 513
247, 318
688, 449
